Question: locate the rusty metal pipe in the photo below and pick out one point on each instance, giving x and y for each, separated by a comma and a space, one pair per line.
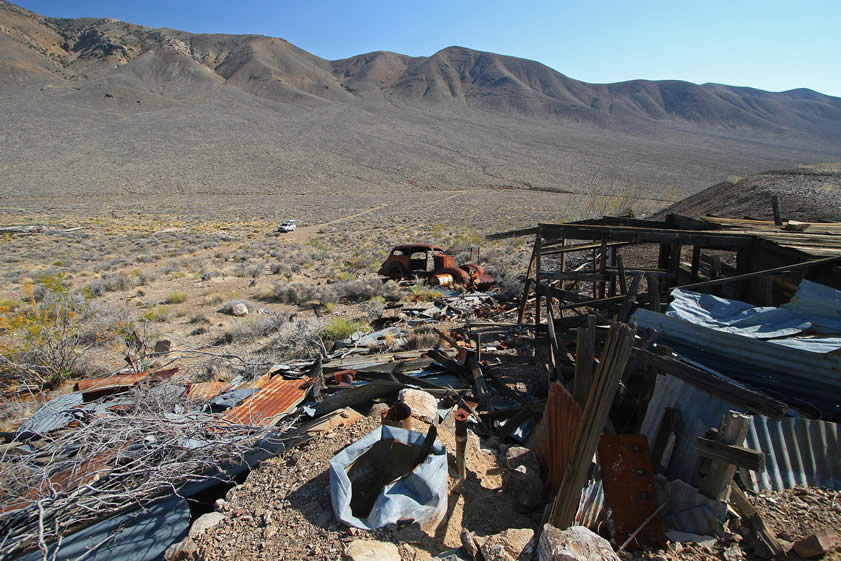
399, 415
461, 442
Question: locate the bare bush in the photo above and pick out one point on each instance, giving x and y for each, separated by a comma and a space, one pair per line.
228, 307
112, 461
298, 338
254, 327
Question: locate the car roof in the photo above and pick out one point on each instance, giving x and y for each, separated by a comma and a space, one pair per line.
415, 246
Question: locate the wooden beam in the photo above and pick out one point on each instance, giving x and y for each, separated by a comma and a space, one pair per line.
704, 238
553, 249
777, 209
740, 456
764, 272
715, 385
584, 354
715, 484
625, 312
512, 234
742, 506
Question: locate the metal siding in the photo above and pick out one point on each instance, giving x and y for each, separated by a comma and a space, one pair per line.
205, 391
559, 430
699, 410
275, 399
797, 452
54, 414
811, 381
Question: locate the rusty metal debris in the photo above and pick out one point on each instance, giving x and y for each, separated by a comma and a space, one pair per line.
432, 263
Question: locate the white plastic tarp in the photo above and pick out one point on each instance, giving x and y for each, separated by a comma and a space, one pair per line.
420, 496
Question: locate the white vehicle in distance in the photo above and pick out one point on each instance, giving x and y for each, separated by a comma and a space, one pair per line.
288, 226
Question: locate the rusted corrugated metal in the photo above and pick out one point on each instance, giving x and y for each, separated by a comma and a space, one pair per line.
559, 428
797, 452
274, 400
205, 391
99, 387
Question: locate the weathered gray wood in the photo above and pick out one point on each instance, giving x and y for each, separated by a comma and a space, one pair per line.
625, 312
704, 238
742, 505
715, 484
584, 354
740, 456
778, 210
614, 358
653, 292
620, 268
696, 262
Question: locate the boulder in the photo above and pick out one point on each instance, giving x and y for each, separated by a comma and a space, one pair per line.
576, 543
424, 406
370, 550
239, 309
205, 522
184, 550
514, 544
523, 482
816, 545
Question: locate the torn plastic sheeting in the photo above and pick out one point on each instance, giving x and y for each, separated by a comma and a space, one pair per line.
820, 303
734, 316
421, 496
139, 535
378, 338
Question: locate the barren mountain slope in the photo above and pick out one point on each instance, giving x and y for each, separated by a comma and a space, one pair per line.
100, 108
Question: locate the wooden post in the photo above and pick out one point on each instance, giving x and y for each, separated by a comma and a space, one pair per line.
716, 483
603, 267
696, 262
620, 266
537, 249
585, 351
653, 291
595, 283
625, 311
778, 210
611, 287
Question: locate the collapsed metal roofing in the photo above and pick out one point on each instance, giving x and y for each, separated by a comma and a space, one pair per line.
275, 399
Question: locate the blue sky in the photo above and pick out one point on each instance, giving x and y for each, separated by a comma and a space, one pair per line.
772, 44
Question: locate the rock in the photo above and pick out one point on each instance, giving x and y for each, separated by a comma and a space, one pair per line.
523, 482
469, 545
369, 550
514, 544
816, 545
424, 406
239, 309
205, 522
517, 456
377, 410
342, 417
163, 346
576, 543
183, 550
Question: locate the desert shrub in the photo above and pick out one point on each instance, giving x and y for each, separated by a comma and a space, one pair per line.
280, 269
111, 282
103, 323
340, 328
146, 277
299, 338
228, 307
157, 314
41, 340
293, 292
424, 337
176, 298
207, 275
420, 292
375, 307
215, 369
253, 328
246, 270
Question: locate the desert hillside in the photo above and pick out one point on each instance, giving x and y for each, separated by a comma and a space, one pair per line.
104, 112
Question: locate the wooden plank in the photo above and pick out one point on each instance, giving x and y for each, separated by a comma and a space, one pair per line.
715, 385
742, 505
777, 208
653, 282
584, 354
620, 269
740, 456
715, 484
704, 238
696, 263
757, 274
614, 358
512, 234
573, 276
625, 311
480, 385
552, 249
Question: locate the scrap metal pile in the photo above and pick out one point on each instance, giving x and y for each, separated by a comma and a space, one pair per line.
651, 415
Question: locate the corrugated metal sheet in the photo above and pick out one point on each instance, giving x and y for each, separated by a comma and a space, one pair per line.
140, 535
100, 387
808, 381
687, 510
698, 409
797, 452
274, 400
205, 391
556, 434
54, 414
590, 505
